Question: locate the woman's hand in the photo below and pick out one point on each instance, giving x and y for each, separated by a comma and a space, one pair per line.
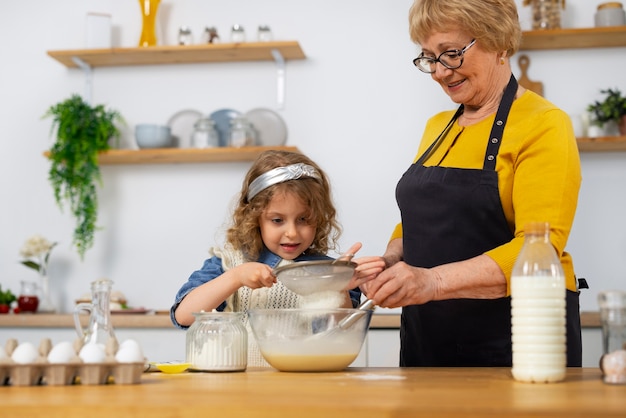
401, 285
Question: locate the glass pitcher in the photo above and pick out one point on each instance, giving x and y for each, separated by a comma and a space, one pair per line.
100, 328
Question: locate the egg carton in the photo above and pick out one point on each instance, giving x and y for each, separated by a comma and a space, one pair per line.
58, 374
32, 367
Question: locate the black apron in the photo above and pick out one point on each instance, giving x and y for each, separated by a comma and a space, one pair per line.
449, 215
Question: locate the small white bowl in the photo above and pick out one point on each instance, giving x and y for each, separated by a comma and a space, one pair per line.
153, 136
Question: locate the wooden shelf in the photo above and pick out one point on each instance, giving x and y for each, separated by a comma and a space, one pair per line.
605, 143
188, 54
183, 155
614, 36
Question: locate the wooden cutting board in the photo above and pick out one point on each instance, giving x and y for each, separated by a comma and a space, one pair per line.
524, 81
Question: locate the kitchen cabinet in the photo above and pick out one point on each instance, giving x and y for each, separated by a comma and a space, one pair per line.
87, 59
604, 37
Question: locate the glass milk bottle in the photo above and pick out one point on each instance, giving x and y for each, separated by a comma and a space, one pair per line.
538, 310
217, 342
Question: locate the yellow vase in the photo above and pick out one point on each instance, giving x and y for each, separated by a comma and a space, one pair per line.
149, 10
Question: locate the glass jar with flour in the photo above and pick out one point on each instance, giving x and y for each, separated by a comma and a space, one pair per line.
217, 342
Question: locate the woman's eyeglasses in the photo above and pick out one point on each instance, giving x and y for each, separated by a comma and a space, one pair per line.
451, 59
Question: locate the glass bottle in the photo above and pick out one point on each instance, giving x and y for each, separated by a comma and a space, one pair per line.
264, 34
538, 309
613, 320
210, 35
28, 301
546, 14
149, 10
242, 134
217, 342
100, 328
204, 134
184, 36
237, 34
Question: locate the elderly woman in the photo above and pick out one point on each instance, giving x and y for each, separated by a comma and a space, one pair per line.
504, 158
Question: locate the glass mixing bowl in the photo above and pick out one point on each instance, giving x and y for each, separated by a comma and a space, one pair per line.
309, 340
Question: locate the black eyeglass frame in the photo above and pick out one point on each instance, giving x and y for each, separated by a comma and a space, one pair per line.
451, 53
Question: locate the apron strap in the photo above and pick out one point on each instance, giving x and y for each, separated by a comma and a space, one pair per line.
439, 138
497, 130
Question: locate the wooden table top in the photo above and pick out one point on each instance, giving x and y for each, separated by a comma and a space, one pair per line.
355, 392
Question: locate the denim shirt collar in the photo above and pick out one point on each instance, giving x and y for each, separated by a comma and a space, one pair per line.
272, 260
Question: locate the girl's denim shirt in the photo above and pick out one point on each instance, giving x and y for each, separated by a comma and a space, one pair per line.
212, 268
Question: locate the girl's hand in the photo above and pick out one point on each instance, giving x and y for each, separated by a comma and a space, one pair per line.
254, 275
351, 251
367, 269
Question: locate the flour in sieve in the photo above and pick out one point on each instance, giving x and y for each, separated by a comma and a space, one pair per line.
323, 300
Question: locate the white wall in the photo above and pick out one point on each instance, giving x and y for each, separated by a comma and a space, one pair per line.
356, 105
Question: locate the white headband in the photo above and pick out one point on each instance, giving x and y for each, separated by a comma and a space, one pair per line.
280, 175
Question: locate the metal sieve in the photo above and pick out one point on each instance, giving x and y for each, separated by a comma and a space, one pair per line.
308, 277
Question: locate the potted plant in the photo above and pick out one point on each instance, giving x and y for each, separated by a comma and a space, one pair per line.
612, 109
83, 131
6, 298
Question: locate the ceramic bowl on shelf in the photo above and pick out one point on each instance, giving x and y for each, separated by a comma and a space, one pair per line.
309, 340
150, 135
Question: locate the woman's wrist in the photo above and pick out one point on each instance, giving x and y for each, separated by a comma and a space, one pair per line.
391, 259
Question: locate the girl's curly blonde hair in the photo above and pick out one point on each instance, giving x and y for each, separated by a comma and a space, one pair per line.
245, 234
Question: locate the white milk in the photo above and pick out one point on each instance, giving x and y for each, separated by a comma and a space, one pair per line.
538, 328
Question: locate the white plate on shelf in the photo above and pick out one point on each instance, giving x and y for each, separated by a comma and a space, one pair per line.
181, 123
270, 126
222, 118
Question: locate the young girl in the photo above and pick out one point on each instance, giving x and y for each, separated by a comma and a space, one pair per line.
284, 214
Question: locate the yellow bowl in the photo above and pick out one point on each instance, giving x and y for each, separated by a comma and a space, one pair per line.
172, 368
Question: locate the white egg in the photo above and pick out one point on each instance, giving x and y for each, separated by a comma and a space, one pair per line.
92, 353
25, 353
63, 352
129, 352
129, 343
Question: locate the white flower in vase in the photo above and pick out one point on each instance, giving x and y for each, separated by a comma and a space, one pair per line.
36, 252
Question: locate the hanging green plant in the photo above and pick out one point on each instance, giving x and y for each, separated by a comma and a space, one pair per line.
82, 132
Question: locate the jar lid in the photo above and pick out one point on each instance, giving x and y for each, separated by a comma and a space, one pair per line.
528, 2
204, 123
217, 315
610, 5
237, 28
184, 29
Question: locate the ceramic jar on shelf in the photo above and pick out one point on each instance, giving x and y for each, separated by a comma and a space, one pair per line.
610, 14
